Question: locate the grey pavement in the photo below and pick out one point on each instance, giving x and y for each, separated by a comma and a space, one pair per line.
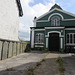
22, 61
49, 66
20, 64
69, 63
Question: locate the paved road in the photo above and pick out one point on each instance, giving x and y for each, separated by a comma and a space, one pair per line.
49, 66
20, 63
69, 63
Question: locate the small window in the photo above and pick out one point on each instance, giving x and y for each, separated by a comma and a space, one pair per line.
39, 38
70, 38
55, 21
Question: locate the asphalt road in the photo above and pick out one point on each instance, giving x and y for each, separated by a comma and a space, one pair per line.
18, 65
69, 63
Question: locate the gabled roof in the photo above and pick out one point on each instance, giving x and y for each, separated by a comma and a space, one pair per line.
19, 8
55, 7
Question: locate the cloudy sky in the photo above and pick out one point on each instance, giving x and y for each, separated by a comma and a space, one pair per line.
32, 8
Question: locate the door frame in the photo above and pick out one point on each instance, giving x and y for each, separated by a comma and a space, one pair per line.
58, 41
55, 32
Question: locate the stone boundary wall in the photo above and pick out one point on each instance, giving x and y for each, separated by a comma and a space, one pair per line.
11, 48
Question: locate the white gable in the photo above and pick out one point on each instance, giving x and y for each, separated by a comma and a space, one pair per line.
52, 11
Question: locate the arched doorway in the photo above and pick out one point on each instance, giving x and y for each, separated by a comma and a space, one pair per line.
54, 41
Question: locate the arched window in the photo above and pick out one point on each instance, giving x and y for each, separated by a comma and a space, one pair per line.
39, 38
55, 21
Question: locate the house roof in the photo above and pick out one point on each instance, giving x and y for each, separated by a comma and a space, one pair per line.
19, 8
56, 6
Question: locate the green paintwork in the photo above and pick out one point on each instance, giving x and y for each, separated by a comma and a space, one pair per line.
62, 23
48, 30
61, 30
66, 16
56, 6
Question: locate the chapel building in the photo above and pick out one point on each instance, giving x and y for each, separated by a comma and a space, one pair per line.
54, 30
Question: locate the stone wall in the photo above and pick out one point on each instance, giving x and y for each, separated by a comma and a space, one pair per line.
10, 48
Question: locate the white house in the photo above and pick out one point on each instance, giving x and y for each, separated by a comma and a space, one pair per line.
10, 11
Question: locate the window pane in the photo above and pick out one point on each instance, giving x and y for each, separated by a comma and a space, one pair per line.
67, 38
70, 38
39, 38
55, 21
42, 38
74, 38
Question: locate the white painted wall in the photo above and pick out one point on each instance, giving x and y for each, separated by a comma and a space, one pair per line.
32, 39
9, 20
46, 42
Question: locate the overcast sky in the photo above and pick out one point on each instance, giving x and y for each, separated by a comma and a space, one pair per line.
32, 8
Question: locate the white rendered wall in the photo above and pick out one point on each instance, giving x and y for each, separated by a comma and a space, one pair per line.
9, 20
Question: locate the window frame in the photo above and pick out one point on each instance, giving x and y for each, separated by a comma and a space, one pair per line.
55, 20
73, 38
39, 38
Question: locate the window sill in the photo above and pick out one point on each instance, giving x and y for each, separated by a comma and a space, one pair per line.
70, 44
38, 43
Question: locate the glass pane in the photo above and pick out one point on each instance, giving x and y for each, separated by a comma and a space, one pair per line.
55, 21
74, 38
67, 38
37, 38
41, 38
70, 38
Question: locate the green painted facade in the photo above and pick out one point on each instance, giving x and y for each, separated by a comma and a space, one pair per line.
44, 25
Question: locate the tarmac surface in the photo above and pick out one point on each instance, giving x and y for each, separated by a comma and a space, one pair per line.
19, 65
69, 63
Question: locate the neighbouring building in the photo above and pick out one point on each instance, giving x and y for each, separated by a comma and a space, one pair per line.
54, 30
10, 11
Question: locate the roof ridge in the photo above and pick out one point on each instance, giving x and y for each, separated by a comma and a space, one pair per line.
55, 6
